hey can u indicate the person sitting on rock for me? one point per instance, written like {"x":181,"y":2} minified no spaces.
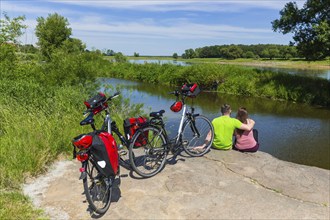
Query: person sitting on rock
{"x":224,"y":127}
{"x":245,"y":141}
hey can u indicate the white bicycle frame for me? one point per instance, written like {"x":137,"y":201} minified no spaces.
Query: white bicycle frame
{"x":183,"y":116}
{"x":108,"y":120}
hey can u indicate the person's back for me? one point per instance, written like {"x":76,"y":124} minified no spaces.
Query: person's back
{"x":246,"y":141}
{"x":224,"y":127}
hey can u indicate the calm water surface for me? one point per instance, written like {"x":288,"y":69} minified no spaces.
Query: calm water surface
{"x":288,"y":131}
{"x":175,"y":62}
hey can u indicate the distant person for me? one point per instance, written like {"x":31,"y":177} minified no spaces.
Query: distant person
{"x":224,"y":127}
{"x":245,"y":141}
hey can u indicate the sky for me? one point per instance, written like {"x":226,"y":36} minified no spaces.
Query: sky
{"x":156,"y":27}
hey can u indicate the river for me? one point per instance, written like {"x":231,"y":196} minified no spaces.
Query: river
{"x":288,"y":131}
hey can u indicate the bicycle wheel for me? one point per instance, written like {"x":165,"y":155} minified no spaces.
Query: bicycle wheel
{"x":98,"y":189}
{"x":194,"y":135}
{"x":148,"y":151}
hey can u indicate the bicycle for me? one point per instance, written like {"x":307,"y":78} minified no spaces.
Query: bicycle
{"x":150,"y":144}
{"x":98,"y":171}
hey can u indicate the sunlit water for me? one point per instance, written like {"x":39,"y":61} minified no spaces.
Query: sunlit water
{"x":288,"y":131}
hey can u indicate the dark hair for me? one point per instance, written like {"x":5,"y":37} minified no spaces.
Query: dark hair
{"x":225,"y":108}
{"x":241,"y":115}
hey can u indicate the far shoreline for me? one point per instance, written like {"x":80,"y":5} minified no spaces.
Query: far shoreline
{"x":275,"y":63}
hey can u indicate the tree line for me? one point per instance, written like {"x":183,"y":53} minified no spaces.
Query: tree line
{"x":269,"y":51}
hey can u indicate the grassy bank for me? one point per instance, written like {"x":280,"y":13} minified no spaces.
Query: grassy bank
{"x":277,"y":63}
{"x":41,"y":105}
{"x":231,"y":80}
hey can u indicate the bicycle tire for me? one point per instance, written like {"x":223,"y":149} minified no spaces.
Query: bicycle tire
{"x":191,"y":141}
{"x":148,"y":151}
{"x":97,"y":190}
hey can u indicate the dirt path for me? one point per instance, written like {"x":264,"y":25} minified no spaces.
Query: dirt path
{"x":220,"y":185}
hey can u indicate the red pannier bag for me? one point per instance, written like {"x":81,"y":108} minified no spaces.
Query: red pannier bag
{"x":105,"y":154}
{"x":190,"y":90}
{"x":130,"y":127}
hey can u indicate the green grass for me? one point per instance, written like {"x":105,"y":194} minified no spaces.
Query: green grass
{"x":14,"y":205}
{"x":296,"y":63}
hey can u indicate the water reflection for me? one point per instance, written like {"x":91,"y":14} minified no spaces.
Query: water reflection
{"x":288,"y":131}
{"x":325,"y":74}
{"x":161,"y":62}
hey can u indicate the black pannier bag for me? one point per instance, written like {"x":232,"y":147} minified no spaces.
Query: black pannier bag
{"x":97,"y":103}
{"x":190,"y":90}
{"x":105,"y":154}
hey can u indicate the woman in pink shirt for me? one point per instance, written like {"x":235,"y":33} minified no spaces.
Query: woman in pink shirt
{"x":246,"y":141}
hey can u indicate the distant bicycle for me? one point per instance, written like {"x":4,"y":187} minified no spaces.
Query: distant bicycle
{"x":150,"y":144}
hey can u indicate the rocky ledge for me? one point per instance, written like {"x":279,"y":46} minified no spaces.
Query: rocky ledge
{"x":220,"y":185}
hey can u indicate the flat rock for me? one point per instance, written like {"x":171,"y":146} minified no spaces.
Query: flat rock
{"x":220,"y":185}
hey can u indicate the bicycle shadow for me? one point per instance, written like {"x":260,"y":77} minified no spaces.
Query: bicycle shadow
{"x":174,"y":158}
{"x":182,"y":155}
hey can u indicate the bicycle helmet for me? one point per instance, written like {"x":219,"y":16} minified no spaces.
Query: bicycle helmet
{"x":176,"y":106}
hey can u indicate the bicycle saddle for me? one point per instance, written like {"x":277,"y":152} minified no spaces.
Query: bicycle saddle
{"x":157,"y":114}
{"x":88,"y":120}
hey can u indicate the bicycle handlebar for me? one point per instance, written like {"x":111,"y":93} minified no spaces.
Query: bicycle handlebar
{"x":113,"y":96}
{"x":176,"y":92}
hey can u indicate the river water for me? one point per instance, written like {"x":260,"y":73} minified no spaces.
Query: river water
{"x":288,"y":131}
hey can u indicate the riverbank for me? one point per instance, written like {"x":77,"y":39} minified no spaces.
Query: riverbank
{"x":275,"y":63}
{"x":281,"y":64}
{"x":230,"y":79}
{"x":220,"y":185}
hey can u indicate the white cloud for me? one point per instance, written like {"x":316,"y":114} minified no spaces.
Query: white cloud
{"x":26,"y":8}
{"x":180,"y":5}
{"x":178,"y":30}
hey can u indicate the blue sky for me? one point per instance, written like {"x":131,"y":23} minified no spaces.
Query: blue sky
{"x":156,"y":27}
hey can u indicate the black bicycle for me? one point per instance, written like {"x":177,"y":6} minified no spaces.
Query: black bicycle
{"x":100,"y":154}
{"x":150,"y":144}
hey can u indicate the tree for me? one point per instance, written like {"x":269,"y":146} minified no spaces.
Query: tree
{"x":265,"y":53}
{"x":110,"y":52}
{"x":175,"y":56}
{"x":310,"y":27}
{"x":51,"y":33}
{"x":273,"y":53}
{"x":249,"y":54}
{"x":189,"y":54}
{"x":231,"y":52}
{"x":73,"y":45}
{"x":136,"y":54}
{"x":120,"y":58}
{"x":11,"y":29}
